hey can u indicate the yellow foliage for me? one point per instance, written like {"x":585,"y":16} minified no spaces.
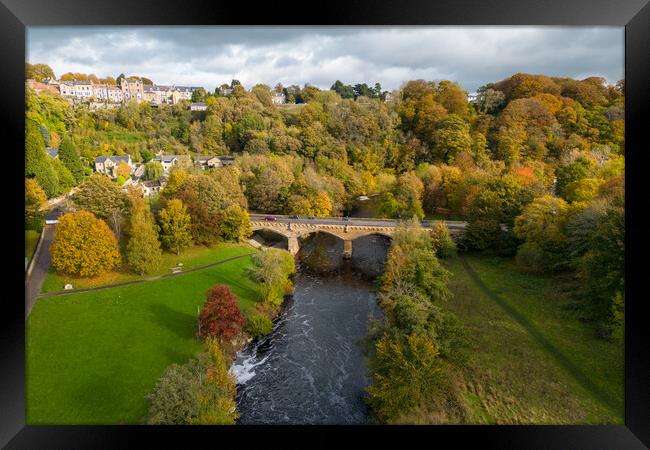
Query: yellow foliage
{"x":83,"y":245}
{"x":322,"y":205}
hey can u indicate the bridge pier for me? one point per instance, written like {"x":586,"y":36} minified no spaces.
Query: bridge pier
{"x":293,"y":246}
{"x":347,"y":249}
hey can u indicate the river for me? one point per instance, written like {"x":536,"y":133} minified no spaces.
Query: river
{"x":311,"y":368}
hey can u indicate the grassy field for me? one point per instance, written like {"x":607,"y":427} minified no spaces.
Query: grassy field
{"x":190,"y":258}
{"x":31,"y":240}
{"x":531,"y":360}
{"x":93,"y":357}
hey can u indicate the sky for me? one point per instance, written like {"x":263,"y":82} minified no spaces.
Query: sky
{"x":213,"y":55}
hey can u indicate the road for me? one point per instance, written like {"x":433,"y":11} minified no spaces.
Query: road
{"x":359,"y":221}
{"x":34,"y":283}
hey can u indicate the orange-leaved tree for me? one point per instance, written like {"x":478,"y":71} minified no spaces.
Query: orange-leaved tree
{"x":220,"y":316}
{"x":83,"y":245}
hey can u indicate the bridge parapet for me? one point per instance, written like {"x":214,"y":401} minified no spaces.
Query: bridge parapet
{"x":349,"y":231}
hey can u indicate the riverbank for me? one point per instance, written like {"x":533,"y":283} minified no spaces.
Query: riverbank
{"x":91,"y":358}
{"x":531,"y":360}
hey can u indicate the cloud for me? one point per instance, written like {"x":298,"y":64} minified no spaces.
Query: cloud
{"x":210,"y":56}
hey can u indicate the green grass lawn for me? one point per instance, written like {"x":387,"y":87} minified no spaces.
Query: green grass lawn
{"x":93,"y":357}
{"x":31,"y":240}
{"x":193,"y":257}
{"x":531,"y":360}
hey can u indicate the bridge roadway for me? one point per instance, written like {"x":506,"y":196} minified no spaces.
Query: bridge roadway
{"x":353,"y":221}
{"x":347,"y":229}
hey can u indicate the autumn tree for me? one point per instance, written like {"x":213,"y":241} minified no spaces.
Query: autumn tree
{"x":175,"y":226}
{"x":83,"y":245}
{"x":404,"y":199}
{"x":522,"y":85}
{"x":220,"y":316}
{"x":143,"y":252}
{"x":35,"y":198}
{"x":38,"y":72}
{"x":234,"y":224}
{"x":603,"y":266}
{"x":542,"y":226}
{"x":451,"y":138}
{"x":122,"y":169}
{"x":204,"y":224}
{"x":322,"y":205}
{"x":272,"y":268}
{"x":407,"y":373}
{"x":199,"y":392}
{"x":99,"y":195}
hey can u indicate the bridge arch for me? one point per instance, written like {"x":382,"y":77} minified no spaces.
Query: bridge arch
{"x":274,"y":229}
{"x":271,"y":237}
{"x":305,"y":233}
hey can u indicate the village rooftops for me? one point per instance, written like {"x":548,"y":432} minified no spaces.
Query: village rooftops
{"x":166,"y":158}
{"x":204,"y":157}
{"x":115,"y":159}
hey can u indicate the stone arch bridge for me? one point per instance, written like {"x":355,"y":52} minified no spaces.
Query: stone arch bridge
{"x":347,"y":230}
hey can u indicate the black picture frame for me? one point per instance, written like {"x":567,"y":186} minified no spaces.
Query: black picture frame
{"x":634,"y":15}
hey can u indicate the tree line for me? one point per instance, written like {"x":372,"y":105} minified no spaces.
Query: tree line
{"x":535,"y":164}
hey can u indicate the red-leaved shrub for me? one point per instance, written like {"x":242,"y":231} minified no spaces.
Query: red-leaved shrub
{"x":220,"y":316}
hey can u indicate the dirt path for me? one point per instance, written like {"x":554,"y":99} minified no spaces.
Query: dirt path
{"x":542,"y":340}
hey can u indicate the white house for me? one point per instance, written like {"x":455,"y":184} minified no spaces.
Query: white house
{"x":199,"y":106}
{"x":167,"y":161}
{"x":278,"y":98}
{"x":206,"y":162}
{"x":107,"y":164}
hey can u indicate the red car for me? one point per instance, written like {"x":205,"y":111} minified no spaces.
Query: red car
{"x":270,"y":218}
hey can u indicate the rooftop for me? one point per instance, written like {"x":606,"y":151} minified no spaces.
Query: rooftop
{"x":101,"y":159}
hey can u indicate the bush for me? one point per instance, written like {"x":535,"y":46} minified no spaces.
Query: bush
{"x":443,"y":243}
{"x":83,"y":245}
{"x":34,"y":222}
{"x":217,"y":404}
{"x":481,"y":234}
{"x":220,"y":316}
{"x":174,"y":399}
{"x":507,"y":244}
{"x":407,"y":373}
{"x":259,"y":325}
{"x":531,"y":256}
{"x":199,"y":392}
{"x":273,"y":268}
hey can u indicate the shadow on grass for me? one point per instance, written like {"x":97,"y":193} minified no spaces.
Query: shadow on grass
{"x":547,"y":345}
{"x":180,"y":323}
